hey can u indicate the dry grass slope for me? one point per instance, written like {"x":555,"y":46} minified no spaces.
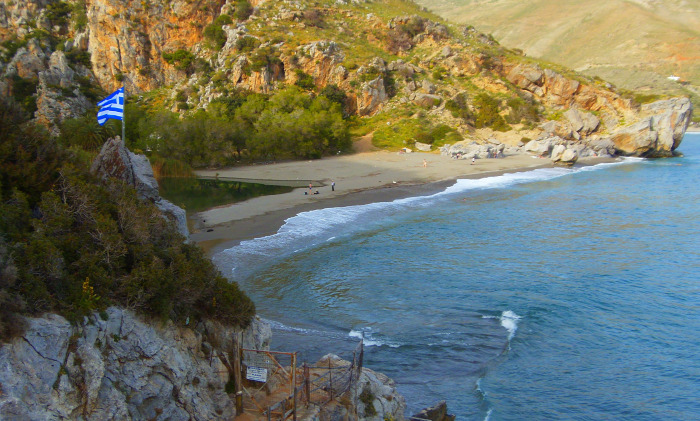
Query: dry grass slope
{"x":634,"y":44}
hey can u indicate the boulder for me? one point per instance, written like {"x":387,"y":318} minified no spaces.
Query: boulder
{"x":670,"y":120}
{"x":423,"y":147}
{"x":582,"y":122}
{"x":469,"y":149}
{"x":542,"y":147}
{"x":528,"y":78}
{"x":372,"y":97}
{"x":437,"y":412}
{"x":561,"y":155}
{"x":637,"y":139}
{"x":602,"y":147}
{"x":426,"y":100}
{"x":144,"y":180}
{"x":114,"y":161}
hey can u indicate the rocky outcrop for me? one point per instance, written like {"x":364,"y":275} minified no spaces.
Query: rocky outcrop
{"x":582,"y":122}
{"x":115,"y":366}
{"x":470,"y":149}
{"x":373,"y":397}
{"x":58,"y":95}
{"x":322,"y":60}
{"x":372,"y":98}
{"x":116,"y":161}
{"x":438,"y":412}
{"x":659,"y":132}
{"x":556,"y":90}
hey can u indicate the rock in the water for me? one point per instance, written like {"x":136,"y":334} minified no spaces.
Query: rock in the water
{"x":657,"y":135}
{"x":438,"y":412}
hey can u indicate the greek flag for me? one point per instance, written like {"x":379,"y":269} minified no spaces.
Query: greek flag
{"x":111,"y":107}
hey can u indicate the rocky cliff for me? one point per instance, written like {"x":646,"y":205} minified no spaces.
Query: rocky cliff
{"x":195,"y":52}
{"x":115,"y":366}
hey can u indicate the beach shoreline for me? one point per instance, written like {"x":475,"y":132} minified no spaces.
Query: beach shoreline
{"x":359,"y":179}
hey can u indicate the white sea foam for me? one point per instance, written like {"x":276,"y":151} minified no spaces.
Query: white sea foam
{"x":488,"y":414}
{"x":369,"y":340}
{"x":308,"y":229}
{"x":509,"y":320}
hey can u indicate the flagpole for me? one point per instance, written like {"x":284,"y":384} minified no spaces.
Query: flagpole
{"x":124,"y":115}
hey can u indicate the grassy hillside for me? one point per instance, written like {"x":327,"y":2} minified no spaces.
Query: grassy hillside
{"x":634,"y":44}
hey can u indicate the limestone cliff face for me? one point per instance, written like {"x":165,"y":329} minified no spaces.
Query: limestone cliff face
{"x":126,"y":39}
{"x":116,"y":366}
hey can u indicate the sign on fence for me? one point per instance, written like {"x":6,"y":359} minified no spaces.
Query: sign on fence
{"x":257,"y":374}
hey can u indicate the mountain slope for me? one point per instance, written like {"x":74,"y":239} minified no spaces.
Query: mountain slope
{"x":634,"y":44}
{"x":419,"y":78}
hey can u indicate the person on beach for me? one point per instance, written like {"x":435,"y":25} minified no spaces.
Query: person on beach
{"x":473,"y":160}
{"x":332,"y":185}
{"x":425,"y":164}
{"x":311,"y":186}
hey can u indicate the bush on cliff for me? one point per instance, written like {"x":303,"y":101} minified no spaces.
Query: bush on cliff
{"x":73,"y":244}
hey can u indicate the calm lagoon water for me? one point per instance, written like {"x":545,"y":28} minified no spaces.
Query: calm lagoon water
{"x":550,"y":294}
{"x":196,"y":194}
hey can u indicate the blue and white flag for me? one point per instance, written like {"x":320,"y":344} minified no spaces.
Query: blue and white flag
{"x":111,"y":107}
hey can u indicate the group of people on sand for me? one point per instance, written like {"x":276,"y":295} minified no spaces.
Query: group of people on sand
{"x":311,"y":188}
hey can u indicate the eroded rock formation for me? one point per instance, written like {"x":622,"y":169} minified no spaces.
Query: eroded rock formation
{"x":115,"y":366}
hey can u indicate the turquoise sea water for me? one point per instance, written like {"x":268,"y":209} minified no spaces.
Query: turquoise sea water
{"x":551,"y":294}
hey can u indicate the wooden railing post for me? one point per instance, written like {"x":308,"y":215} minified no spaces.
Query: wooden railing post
{"x":330,"y":378}
{"x":237,"y":375}
{"x":307,"y":384}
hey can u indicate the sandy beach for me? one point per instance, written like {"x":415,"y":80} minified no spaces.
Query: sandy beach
{"x":359,"y":179}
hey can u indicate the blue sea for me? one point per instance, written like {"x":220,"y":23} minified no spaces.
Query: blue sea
{"x":553,"y":294}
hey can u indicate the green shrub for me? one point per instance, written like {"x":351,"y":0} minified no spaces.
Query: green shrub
{"x":11,"y":46}
{"x":181,"y":59}
{"x":304,"y":81}
{"x":58,"y":12}
{"x":78,"y":56}
{"x":243,"y":10}
{"x":522,"y":111}
{"x":335,"y":94}
{"x":264,"y":57}
{"x":459,"y":107}
{"x":488,"y":113}
{"x":215,"y":33}
{"x":246,"y":44}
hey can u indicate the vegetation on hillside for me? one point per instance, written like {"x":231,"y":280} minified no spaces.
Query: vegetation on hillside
{"x":73,"y":244}
{"x":244,"y":126}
